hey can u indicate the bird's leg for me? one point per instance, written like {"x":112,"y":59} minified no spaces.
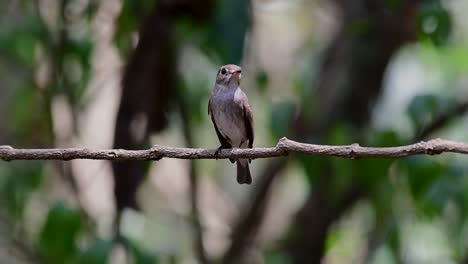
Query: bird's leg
{"x":219,"y":150}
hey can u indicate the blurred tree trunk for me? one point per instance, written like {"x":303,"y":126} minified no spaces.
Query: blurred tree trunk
{"x":349,"y":82}
{"x":149,"y":89}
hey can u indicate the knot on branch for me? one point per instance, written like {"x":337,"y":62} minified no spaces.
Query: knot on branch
{"x":5,"y":147}
{"x":354,"y":149}
{"x":156,"y":151}
{"x":283,"y":145}
{"x":431,"y":146}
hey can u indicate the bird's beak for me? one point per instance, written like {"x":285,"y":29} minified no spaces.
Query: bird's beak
{"x":237,"y":74}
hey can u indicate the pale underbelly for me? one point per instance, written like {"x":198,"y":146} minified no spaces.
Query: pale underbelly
{"x":231,"y":126}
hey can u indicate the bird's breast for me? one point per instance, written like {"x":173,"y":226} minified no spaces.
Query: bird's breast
{"x":228,"y":116}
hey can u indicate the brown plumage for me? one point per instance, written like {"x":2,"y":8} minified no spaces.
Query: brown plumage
{"x":232,"y":116}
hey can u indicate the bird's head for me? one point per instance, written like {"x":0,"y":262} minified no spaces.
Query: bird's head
{"x":229,"y":75}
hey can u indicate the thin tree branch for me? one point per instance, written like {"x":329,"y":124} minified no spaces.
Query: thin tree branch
{"x":283,"y":148}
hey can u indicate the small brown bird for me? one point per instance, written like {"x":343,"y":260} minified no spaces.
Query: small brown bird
{"x":232,"y":116}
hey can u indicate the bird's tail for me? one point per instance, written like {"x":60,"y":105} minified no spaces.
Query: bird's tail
{"x":243,"y":172}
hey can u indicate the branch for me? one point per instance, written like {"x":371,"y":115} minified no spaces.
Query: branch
{"x":283,"y":148}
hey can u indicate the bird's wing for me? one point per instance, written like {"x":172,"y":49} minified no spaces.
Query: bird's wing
{"x":248,"y":120}
{"x":222,"y":139}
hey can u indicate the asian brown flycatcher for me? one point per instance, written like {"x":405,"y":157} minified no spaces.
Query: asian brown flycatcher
{"x":232,"y":116}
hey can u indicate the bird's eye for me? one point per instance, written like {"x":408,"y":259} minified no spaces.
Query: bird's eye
{"x":223,"y":71}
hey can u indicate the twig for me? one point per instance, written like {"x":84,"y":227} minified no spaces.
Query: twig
{"x":283,"y":148}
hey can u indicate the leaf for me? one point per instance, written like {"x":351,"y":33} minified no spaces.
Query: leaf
{"x":20,"y":42}
{"x":422,"y":172}
{"x":58,"y":237}
{"x":261,"y":79}
{"x":276,"y":257}
{"x":434,"y":23}
{"x":231,"y":16}
{"x":139,"y":255}
{"x":449,"y":187}
{"x":281,"y":119}
{"x":127,"y":23}
{"x":371,"y":171}
{"x":97,"y":253}
{"x":423,"y":108}
{"x":312,"y":166}
{"x":77,"y":67}
{"x":20,"y":180}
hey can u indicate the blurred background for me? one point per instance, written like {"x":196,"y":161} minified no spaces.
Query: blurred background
{"x":130,"y":74}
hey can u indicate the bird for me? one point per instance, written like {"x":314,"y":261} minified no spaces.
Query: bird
{"x":232,"y":116}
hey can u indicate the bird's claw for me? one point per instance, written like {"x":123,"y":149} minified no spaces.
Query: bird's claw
{"x":217,"y":152}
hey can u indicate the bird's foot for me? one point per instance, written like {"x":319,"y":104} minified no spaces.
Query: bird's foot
{"x":218,"y":151}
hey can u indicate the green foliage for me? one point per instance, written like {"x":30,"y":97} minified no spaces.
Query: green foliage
{"x":434,"y":184}
{"x":372,"y":171}
{"x":434,"y":22}
{"x":230,"y":24}
{"x":276,"y":257}
{"x":130,"y":16}
{"x":21,"y":116}
{"x":281,"y":119}
{"x":18,"y":181}
{"x":423,"y":108}
{"x":422,"y":173}
{"x":193,"y":94}
{"x":261,"y":79}
{"x":20,"y":43}
{"x":139,"y":256}
{"x":97,"y":253}
{"x":312,"y":166}
{"x":59,"y":235}
{"x":76,"y":55}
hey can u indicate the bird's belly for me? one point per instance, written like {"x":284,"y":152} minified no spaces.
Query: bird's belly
{"x":231,"y":126}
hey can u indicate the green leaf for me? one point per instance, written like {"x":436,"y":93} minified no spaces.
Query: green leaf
{"x":422,"y":172}
{"x":19,"y":181}
{"x":20,"y":42}
{"x":231,"y":16}
{"x":261,"y":78}
{"x":312,"y":166}
{"x":384,"y":138}
{"x":434,"y":23}
{"x":128,"y":21}
{"x":139,"y":255}
{"x":77,"y":67}
{"x":58,"y":237}
{"x":341,"y":134}
{"x":423,"y":108}
{"x":371,"y":171}
{"x":281,"y":119}
{"x":276,"y":257}
{"x":97,"y":253}
{"x":442,"y":191}
{"x":193,"y":94}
